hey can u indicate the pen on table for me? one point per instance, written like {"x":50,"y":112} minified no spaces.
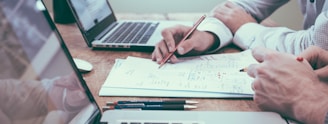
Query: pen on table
{"x":184,"y":38}
{"x":153,"y":102}
{"x":300,"y":59}
{"x":152,"y":107}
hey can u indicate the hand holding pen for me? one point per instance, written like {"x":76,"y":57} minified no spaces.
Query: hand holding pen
{"x":189,"y":33}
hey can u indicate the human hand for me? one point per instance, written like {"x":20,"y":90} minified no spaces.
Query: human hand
{"x":67,"y":94}
{"x":318,"y":58}
{"x":287,"y":86}
{"x":196,"y":44}
{"x":232,"y":15}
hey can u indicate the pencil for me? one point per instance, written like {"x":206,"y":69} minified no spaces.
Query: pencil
{"x":185,"y":37}
{"x":243,"y":70}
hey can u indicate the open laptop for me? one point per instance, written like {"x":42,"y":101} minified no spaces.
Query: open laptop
{"x":101,"y":29}
{"x":39,"y":82}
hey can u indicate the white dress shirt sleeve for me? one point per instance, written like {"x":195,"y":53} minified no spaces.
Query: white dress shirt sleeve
{"x":215,"y":26}
{"x":283,"y":39}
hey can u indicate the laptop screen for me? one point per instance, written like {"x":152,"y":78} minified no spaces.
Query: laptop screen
{"x":91,"y":12}
{"x":93,"y":17}
{"x":38,"y":83}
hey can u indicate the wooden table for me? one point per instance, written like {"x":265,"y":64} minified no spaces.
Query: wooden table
{"x":103,"y":60}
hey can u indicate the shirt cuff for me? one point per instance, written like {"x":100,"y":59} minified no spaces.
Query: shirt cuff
{"x":215,"y":26}
{"x":245,"y":36}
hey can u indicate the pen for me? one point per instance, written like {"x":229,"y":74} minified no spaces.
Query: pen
{"x":153,"y":102}
{"x":153,"y":107}
{"x":185,"y":37}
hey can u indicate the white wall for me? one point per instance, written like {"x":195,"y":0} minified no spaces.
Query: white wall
{"x":289,"y":15}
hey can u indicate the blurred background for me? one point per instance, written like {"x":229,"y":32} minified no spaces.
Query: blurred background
{"x":289,"y":15}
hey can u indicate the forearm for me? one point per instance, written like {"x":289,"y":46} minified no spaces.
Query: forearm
{"x":23,"y":98}
{"x":260,"y":9}
{"x":278,"y":38}
{"x":318,"y":111}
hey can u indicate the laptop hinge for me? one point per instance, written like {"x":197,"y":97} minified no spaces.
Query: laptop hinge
{"x":108,"y":29}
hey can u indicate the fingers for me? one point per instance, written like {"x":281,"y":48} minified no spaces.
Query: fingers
{"x":261,"y":53}
{"x":161,"y":51}
{"x":258,"y":54}
{"x":220,"y":11}
{"x":197,"y":43}
{"x":223,"y":10}
{"x":174,"y":35}
{"x":171,"y":36}
{"x":322,"y":74}
{"x":230,"y":4}
{"x":187,"y":46}
{"x":310,"y":54}
{"x":316,"y":56}
{"x":251,"y":70}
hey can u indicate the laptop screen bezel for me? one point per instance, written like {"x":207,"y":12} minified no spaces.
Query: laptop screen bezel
{"x":96,"y":30}
{"x":95,"y":118}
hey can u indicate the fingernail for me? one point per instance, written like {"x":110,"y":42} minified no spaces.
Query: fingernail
{"x":180,"y":50}
{"x":159,"y":60}
{"x":300,"y":59}
{"x":171,"y":49}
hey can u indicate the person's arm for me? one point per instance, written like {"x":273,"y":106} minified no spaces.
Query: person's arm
{"x":22,"y":101}
{"x":260,"y":9}
{"x":289,"y":86}
{"x":236,"y":13}
{"x":283,"y":39}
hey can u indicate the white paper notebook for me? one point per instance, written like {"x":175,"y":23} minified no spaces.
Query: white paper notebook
{"x":209,"y":74}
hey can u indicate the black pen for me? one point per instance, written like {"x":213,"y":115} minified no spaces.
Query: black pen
{"x":153,"y":107}
{"x":153,"y":102}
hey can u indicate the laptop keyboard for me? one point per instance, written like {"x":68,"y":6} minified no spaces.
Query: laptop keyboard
{"x":132,"y":32}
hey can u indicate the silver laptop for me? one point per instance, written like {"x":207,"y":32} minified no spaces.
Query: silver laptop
{"x":101,"y":29}
{"x":39,"y":82}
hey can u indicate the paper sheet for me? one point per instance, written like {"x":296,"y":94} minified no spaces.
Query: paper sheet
{"x":207,"y":73}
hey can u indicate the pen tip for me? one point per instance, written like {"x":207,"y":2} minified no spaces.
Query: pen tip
{"x":105,"y":108}
{"x":243,"y":70}
{"x":160,"y":66}
{"x":190,"y":107}
{"x":111,"y":103}
{"x":191,"y":102}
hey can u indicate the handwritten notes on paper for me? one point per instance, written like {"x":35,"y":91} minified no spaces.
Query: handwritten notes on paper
{"x":207,"y":73}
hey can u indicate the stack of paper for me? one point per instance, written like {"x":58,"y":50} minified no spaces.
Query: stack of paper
{"x":214,"y":75}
